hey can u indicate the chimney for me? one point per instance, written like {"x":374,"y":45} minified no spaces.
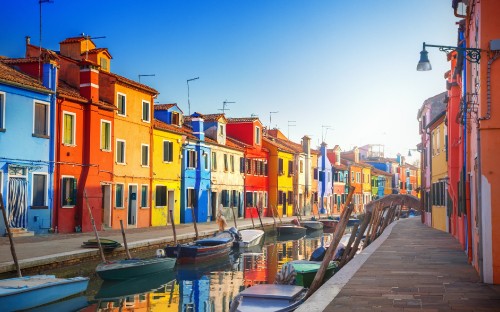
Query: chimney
{"x":197,"y":125}
{"x":89,"y":81}
{"x":306,"y":145}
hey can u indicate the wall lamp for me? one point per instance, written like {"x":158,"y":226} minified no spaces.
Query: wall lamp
{"x":471,"y":54}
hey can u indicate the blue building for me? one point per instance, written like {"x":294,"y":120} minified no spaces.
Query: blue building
{"x":325,"y":181}
{"x":27,"y":132}
{"x":195,"y":177}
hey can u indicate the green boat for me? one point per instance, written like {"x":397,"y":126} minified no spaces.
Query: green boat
{"x":306,"y":271}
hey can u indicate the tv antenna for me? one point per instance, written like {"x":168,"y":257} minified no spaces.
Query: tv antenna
{"x":87,"y":43}
{"x":224,"y":104}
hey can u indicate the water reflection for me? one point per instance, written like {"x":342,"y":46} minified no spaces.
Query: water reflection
{"x":209,"y":287}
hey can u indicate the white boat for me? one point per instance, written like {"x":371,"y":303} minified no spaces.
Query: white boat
{"x":269,"y":298}
{"x":250,"y":238}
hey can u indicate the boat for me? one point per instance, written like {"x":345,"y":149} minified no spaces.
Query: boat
{"x":306,"y":271}
{"x":133,"y":268}
{"x":329,"y":223}
{"x":250,"y":238}
{"x":312,"y":225}
{"x":26,"y":292}
{"x":291,"y":229}
{"x":269,"y":297}
{"x":112,"y":290}
{"x":200,"y":251}
{"x":107,"y":244}
{"x":353,"y":221}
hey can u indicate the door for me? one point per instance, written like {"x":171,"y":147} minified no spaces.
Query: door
{"x":284,"y":204}
{"x":106,"y":205}
{"x":171,"y":203}
{"x":18,"y":212}
{"x":132,"y":204}
{"x":213,"y":206}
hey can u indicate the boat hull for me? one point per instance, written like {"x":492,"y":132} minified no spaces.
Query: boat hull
{"x":251,"y":238}
{"x":192,"y":254}
{"x":18,"y":297}
{"x":327,"y":223}
{"x":312,"y":225}
{"x":269,"y":297}
{"x":306,"y":271}
{"x":133,"y":268}
{"x":291,"y":230}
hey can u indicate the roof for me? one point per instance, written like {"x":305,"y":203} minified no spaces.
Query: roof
{"x":74,"y":40}
{"x":214,"y":117}
{"x":242,"y":119}
{"x":278,"y":144}
{"x":380,"y":172}
{"x":161,"y":107}
{"x":172,"y":128}
{"x":340,"y":166}
{"x":97,"y":50}
{"x":65,"y":90}
{"x":130,"y":82}
{"x":10,"y":76}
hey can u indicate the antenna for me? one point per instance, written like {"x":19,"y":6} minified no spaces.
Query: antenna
{"x":189,"y":103}
{"x":323,"y":136}
{"x":291,"y":123}
{"x":87,"y":43}
{"x":270,"y":114}
{"x":145,"y":75}
{"x":40,"y":2}
{"x":224,"y":104}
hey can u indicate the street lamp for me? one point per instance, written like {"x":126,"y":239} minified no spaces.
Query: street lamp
{"x":471,"y":54}
{"x":412,"y":149}
{"x":189,"y":103}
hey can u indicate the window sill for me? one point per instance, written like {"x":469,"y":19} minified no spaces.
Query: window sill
{"x":121,"y":115}
{"x":41,"y":136}
{"x":119,"y":163}
{"x":119,"y":208}
{"x":146,"y":121}
{"x":69,"y":145}
{"x":39,"y":207}
{"x":145,"y":166}
{"x":144,"y":208}
{"x":105,"y":150}
{"x":68,"y":206}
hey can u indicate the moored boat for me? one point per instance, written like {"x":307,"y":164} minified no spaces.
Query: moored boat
{"x":133,"y":268}
{"x":329,"y":223}
{"x":250,"y":238}
{"x":201,"y":250}
{"x":269,"y":297}
{"x":312,"y":225}
{"x":107,"y":244}
{"x":291,"y":229}
{"x":31,"y":291}
{"x":306,"y":271}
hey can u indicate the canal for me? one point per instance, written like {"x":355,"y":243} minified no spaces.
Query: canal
{"x":207,"y":287}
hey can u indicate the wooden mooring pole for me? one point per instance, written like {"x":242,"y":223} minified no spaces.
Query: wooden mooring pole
{"x":11,"y":240}
{"x":125,"y":240}
{"x":234,"y":217}
{"x":194,"y":222}
{"x":101,"y":251}
{"x":171,"y":214}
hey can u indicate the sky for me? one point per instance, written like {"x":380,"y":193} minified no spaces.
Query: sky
{"x":343,"y":72}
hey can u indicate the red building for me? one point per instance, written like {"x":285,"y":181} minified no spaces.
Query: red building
{"x":248,"y":131}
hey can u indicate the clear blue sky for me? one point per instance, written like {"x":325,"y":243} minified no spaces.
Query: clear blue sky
{"x":345,"y":64}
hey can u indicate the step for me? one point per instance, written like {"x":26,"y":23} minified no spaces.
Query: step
{"x":20,"y":232}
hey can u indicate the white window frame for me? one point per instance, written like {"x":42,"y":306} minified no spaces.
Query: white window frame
{"x":192,"y":152}
{"x":104,"y":121}
{"x":163,"y":156}
{"x":63,"y":131}
{"x":46,"y":190}
{"x":214,"y":161}
{"x":62,"y":191}
{"x":231,"y":163}
{"x":3,"y":102}
{"x":188,"y":190}
{"x":124,"y":152}
{"x":123,"y":196}
{"x":265,"y":199}
{"x":257,"y":135}
{"x":47,"y":121}
{"x":147,"y":196}
{"x":149,"y":111}
{"x":118,"y":94}
{"x":142,"y":156}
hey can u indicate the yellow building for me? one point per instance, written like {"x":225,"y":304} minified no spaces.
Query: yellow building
{"x":366,"y":183}
{"x":439,"y":173}
{"x":281,"y":172}
{"x":167,"y":143}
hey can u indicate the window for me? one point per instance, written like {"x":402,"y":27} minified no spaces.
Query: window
{"x":280,"y":166}
{"x":105,"y":135}
{"x":225,"y":198}
{"x":39,"y":191}
{"x":257,"y":135}
{"x":231,"y":162}
{"x":265,"y":200}
{"x":41,"y":122}
{"x":168,"y":151}
{"x":249,"y":199}
{"x":122,"y":104}
{"x":280,"y":197}
{"x":301,"y":166}
{"x":119,"y":195}
{"x":144,"y":196}
{"x":120,"y":151}
{"x":226,"y":164}
{"x":290,"y":168}
{"x":176,"y":119}
{"x":221,"y":130}
{"x":190,"y":196}
{"x":205,"y":160}
{"x":352,"y":176}
{"x":145,"y":155}
{"x":2,"y":111}
{"x":235,"y":196}
{"x":191,"y":159}
{"x":214,"y":161}
{"x":249,"y":166}
{"x":161,"y":196}
{"x":258,"y":165}
{"x":146,"y":111}
{"x":68,"y":192}
{"x":255,"y":199}
{"x":242,"y":165}
{"x":265,"y":168}
{"x":69,"y":128}
{"x":104,"y":63}
{"x":358,"y":177}
{"x":315,"y":174}
{"x":254,"y":167}
{"x":290,"y":197}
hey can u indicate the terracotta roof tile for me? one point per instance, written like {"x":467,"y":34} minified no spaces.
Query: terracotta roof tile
{"x":242,"y":119}
{"x":161,"y":107}
{"x":213,"y":117}
{"x":72,"y":40}
{"x":9,"y":75}
{"x":278,"y":144}
{"x":130,"y":82}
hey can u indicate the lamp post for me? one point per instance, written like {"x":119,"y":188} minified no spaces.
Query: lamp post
{"x":471,"y":54}
{"x":189,"y":103}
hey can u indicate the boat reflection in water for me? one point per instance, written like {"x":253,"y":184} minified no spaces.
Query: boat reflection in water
{"x":209,"y":286}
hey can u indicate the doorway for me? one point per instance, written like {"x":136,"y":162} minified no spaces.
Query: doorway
{"x":106,"y":205}
{"x":17,"y":207}
{"x":171,"y":203}
{"x":284,"y":204}
{"x":132,"y":205}
{"x":213,"y":206}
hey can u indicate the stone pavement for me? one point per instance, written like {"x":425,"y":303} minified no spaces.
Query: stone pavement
{"x":43,"y":250}
{"x":410,"y":267}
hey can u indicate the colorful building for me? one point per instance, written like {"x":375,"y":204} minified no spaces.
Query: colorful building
{"x":325,"y":181}
{"x":340,"y":179}
{"x":351,"y":160}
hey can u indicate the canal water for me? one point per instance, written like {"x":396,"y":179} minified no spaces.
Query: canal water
{"x":207,"y":287}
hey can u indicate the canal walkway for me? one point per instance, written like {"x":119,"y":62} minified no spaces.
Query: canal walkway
{"x":45,"y":250}
{"x":410,"y":267}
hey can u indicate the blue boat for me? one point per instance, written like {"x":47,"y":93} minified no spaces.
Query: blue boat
{"x":269,"y":298}
{"x":200,"y":251}
{"x":22,"y":293}
{"x":133,"y":268}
